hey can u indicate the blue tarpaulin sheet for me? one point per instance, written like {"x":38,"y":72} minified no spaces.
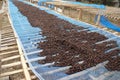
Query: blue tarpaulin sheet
{"x":105,"y":22}
{"x":77,"y":3}
{"x":85,"y":4}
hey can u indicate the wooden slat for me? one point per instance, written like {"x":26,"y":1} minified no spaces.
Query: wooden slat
{"x":10,"y":58}
{"x":8,"y":26}
{"x":7,"y":34}
{"x":5,"y":78}
{"x":8,"y":48}
{"x":98,"y":19}
{"x":13,"y":72}
{"x":3,"y":32}
{"x":6,"y":31}
{"x":24,"y":65}
{"x":8,"y":44}
{"x":10,"y":64}
{"x":32,"y":77}
{"x":9,"y":52}
{"x":10,"y":41}
{"x":8,"y":38}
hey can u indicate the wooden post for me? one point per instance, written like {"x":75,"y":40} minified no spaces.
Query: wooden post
{"x":0,"y":40}
{"x":46,"y":5}
{"x":0,"y":28}
{"x":55,"y":8}
{"x":98,"y":19}
{"x":31,"y":1}
{"x":69,"y":12}
{"x":22,"y":58}
{"x":43,"y":4}
{"x":80,"y":14}
{"x":62,"y":9}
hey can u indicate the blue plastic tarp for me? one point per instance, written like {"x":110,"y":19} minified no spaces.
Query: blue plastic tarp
{"x":85,"y":4}
{"x":77,"y":3}
{"x":105,"y":22}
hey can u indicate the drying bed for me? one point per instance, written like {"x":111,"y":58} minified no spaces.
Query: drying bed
{"x":65,"y":48}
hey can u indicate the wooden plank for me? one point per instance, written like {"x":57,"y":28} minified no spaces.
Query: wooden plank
{"x":9,"y":52}
{"x":80,"y":14}
{"x":10,"y":65}
{"x":33,"y":77}
{"x":59,"y":4}
{"x":5,"y":78}
{"x":0,"y":29}
{"x":8,"y":41}
{"x":4,"y":39}
{"x":27,"y":74}
{"x":6,"y":31}
{"x":24,"y":65}
{"x":104,"y":28}
{"x":8,"y":44}
{"x":8,"y":48}
{"x":115,"y":33}
{"x":7,"y":36}
{"x":98,"y":19}
{"x":8,"y":26}
{"x":13,"y":72}
{"x":10,"y":58}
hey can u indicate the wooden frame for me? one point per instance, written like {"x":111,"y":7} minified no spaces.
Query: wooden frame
{"x":24,"y":65}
